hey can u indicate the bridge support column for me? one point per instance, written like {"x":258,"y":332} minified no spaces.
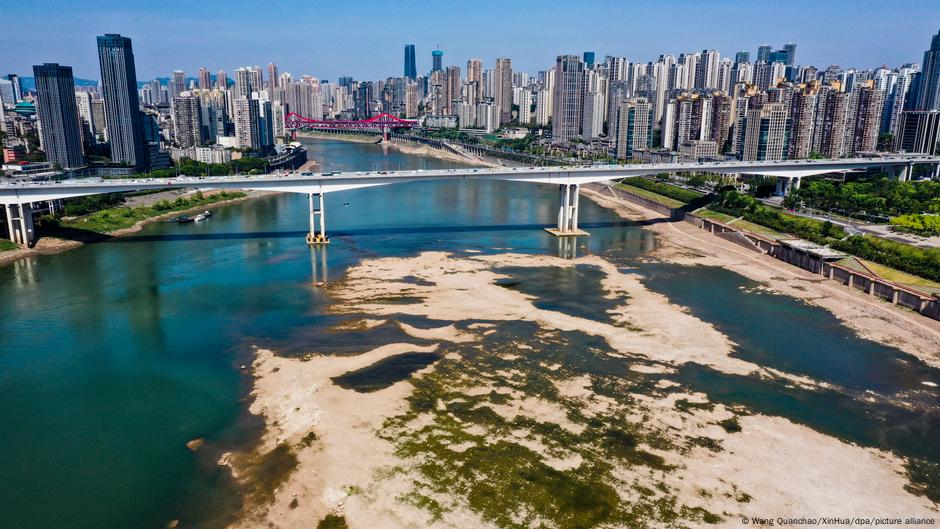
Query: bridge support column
{"x":567,"y":212}
{"x":317,"y":216}
{"x":20,"y":224}
{"x":787,"y":184}
{"x":905,"y":172}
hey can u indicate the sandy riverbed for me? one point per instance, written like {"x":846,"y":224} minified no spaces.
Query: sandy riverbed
{"x":385,"y":459}
{"x":872,"y":318}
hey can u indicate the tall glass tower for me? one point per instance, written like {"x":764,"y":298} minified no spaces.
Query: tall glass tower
{"x":410,"y":70}
{"x":121,"y":104}
{"x":928,"y":93}
{"x":58,"y":114}
{"x":437,"y":58}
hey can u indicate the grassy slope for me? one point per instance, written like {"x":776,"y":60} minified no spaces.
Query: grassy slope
{"x":113,"y":219}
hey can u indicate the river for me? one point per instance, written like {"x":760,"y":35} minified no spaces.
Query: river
{"x":114,"y":355}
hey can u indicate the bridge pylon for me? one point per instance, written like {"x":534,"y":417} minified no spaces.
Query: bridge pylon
{"x":317,"y":235}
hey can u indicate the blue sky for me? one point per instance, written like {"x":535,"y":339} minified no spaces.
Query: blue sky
{"x":365,"y":38}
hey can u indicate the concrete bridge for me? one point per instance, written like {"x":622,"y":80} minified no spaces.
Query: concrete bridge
{"x":18,"y":198}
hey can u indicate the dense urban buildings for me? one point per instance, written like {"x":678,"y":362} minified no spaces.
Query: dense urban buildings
{"x":693,"y":105}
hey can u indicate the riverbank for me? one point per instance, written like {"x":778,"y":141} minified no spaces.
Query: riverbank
{"x":48,"y":245}
{"x":532,"y":415}
{"x":682,"y":243}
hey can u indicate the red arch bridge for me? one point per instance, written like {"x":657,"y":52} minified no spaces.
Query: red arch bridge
{"x":383,"y":122}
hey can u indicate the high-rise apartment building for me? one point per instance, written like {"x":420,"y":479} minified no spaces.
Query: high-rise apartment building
{"x":592,"y":117}
{"x":503,"y":86}
{"x":475,"y":71}
{"x":187,"y":120}
{"x":568,"y":97}
{"x":272,"y":77}
{"x":802,"y":120}
{"x":61,"y":131}
{"x":247,"y":132}
{"x":870,"y":102}
{"x":221,"y":80}
{"x":411,"y":70}
{"x":177,"y":83}
{"x":121,"y":102}
{"x":205,"y":82}
{"x":451,"y":88}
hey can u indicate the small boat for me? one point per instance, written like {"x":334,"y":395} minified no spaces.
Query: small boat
{"x":182,"y":219}
{"x":346,"y":204}
{"x":202,"y":216}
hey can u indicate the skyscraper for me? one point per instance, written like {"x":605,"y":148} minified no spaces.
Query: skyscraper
{"x":61,"y":132}
{"x":928,"y":90}
{"x":410,"y":70}
{"x":741,"y":57}
{"x":568,"y":97}
{"x":589,"y":59}
{"x":790,"y":48}
{"x":437,"y":58}
{"x":221,"y":79}
{"x":504,"y":89}
{"x":451,"y":88}
{"x":272,"y":77}
{"x":763,"y":53}
{"x":178,"y":83}
{"x":121,"y":103}
{"x":204,"y":81}
{"x":17,"y":87}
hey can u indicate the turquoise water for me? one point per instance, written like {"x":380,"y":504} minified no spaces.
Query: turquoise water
{"x":114,"y":355}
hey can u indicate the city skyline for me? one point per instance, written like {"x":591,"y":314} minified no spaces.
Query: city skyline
{"x":164,"y":39}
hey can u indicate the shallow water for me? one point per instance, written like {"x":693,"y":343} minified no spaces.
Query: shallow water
{"x":114,"y":355}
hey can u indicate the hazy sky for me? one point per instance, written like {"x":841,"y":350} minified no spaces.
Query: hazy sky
{"x":365,"y":39}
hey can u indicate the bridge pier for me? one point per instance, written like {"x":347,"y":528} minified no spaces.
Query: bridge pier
{"x":20,"y":224}
{"x":787,"y":184}
{"x":568,"y":195}
{"x":317,"y":216}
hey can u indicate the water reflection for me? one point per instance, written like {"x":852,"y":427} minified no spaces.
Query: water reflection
{"x":318,"y":269}
{"x":568,"y":247}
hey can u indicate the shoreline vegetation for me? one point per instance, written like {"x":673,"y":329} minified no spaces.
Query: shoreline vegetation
{"x":64,"y":234}
{"x":748,"y":214}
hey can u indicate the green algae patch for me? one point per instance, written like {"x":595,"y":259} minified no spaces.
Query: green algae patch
{"x":492,"y":433}
{"x":262,"y":474}
{"x":730,"y":425}
{"x":333,"y":521}
{"x":924,"y":478}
